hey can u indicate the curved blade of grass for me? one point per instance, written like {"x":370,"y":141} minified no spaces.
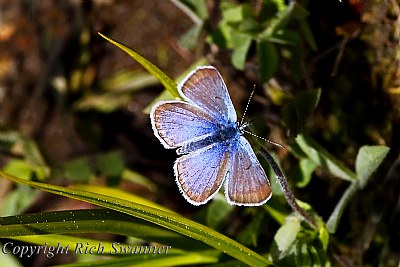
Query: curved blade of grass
{"x":165,"y":219}
{"x":107,"y":191}
{"x":154,"y":260}
{"x":93,"y":221}
{"x":168,"y":83}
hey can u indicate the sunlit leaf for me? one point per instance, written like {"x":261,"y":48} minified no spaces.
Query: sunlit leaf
{"x":285,"y":237}
{"x":23,"y":169}
{"x":368,"y":160}
{"x":16,"y":201}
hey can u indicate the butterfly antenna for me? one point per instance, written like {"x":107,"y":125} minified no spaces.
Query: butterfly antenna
{"x":247,"y":106}
{"x":262,"y":138}
{"x":243,"y":125}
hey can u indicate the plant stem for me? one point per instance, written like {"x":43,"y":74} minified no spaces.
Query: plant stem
{"x":286,"y":189}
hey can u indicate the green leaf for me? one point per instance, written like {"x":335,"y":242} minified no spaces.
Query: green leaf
{"x":18,"y":200}
{"x":24,"y":169}
{"x":302,"y":255}
{"x":250,"y":234}
{"x":368,"y":160}
{"x":285,"y":36}
{"x":321,"y":157}
{"x":128,"y":81}
{"x":286,"y":236}
{"x":235,"y":12}
{"x":240,"y":51}
{"x":280,"y":4}
{"x":79,"y":170}
{"x":105,"y":103}
{"x":275,"y":185}
{"x":337,"y":213}
{"x":217,"y":211}
{"x":293,"y":10}
{"x":303,"y":172}
{"x":305,"y":28}
{"x":323,"y":236}
{"x":276,"y":209}
{"x":110,"y":164}
{"x":197,"y":7}
{"x":165,"y":219}
{"x":168,"y":83}
{"x":137,"y":178}
{"x":190,"y":38}
{"x":268,"y":59}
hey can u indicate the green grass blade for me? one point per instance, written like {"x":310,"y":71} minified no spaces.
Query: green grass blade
{"x":165,"y":219}
{"x":154,"y":260}
{"x":93,"y":221}
{"x":168,"y":83}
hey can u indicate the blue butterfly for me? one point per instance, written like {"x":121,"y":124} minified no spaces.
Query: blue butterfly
{"x":205,"y":131}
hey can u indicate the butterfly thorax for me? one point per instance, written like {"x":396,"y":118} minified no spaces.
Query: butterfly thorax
{"x":227,"y":132}
{"x":222,"y":133}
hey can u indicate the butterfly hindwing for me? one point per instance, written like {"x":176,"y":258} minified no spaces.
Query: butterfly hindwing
{"x":247,"y":183}
{"x":200,"y":175}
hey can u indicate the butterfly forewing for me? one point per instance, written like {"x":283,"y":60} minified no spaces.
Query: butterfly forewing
{"x":247,"y":183}
{"x":206,"y":88}
{"x":176,"y":123}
